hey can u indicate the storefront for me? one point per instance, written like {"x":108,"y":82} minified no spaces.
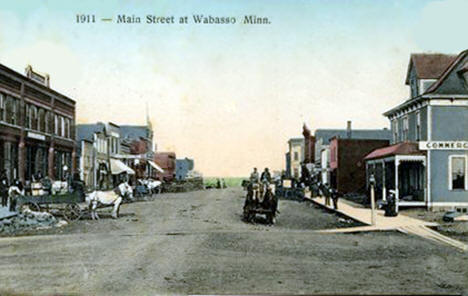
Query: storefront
{"x":36,"y":127}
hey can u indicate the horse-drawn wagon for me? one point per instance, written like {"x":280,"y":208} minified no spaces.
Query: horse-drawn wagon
{"x":66,"y":204}
{"x":69,"y":203}
{"x":263,"y":202}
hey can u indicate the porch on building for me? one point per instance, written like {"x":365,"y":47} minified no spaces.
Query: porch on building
{"x":401,"y":168}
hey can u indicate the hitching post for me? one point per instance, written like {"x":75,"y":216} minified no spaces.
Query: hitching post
{"x":372,"y":184}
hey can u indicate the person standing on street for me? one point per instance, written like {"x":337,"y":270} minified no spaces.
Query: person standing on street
{"x":4,"y":188}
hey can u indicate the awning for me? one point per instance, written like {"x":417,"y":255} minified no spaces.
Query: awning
{"x":157,"y":167}
{"x":118,"y":167}
{"x":404,"y":148}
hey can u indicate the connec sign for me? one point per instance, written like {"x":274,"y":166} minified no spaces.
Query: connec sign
{"x":443,"y":145}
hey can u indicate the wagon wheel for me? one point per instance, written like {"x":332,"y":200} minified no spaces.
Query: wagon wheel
{"x":72,"y":212}
{"x":32,"y":206}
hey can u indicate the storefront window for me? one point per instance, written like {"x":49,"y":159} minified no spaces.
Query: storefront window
{"x":457,"y":167}
{"x":10,"y":160}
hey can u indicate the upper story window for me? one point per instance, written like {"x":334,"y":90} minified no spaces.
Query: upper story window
{"x":33,"y":117}
{"x":58,"y":125}
{"x":66,"y":128}
{"x":41,"y":120}
{"x":11,"y":110}
{"x":62,"y":126}
{"x":458,"y":172}
{"x":50,"y":122}
{"x":395,"y":130}
{"x":424,"y":84}
{"x":296,"y":156}
{"x":2,"y":107}
{"x":27,"y":116}
{"x":418,"y":126}
{"x":414,"y":87}
{"x":405,"y":128}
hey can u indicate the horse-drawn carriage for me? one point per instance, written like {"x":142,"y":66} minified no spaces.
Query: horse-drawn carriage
{"x":261,"y":200}
{"x":65,"y":203}
{"x":69,"y":203}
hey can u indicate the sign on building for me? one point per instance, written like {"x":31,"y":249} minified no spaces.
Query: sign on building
{"x":443,"y":145}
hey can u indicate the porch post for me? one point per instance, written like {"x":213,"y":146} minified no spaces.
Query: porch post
{"x":384,"y":190}
{"x":397,"y":193}
{"x":367,"y":174}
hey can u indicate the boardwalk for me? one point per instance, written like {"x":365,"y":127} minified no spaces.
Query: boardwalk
{"x":400,"y":223}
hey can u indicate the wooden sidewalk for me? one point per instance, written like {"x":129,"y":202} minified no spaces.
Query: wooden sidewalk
{"x":400,"y":223}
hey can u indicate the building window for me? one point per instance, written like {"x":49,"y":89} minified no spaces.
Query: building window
{"x":2,"y":107}
{"x":48,"y":122}
{"x":457,"y":172}
{"x":418,"y":126}
{"x":395,"y":130}
{"x":11,"y":108}
{"x":41,"y":120}
{"x":296,"y":156}
{"x":67,"y":128}
{"x":27,"y":121}
{"x":33,"y":117}
{"x":62,"y":127}
{"x":405,"y":128}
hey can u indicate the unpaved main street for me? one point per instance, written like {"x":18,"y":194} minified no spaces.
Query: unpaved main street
{"x":196,"y":243}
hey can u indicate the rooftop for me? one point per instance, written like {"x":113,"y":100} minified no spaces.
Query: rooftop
{"x":376,"y":134}
{"x":429,"y":65}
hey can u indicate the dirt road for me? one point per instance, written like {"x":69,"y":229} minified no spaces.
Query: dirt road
{"x":196,"y":243}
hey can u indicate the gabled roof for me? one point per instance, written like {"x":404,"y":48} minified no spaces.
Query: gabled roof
{"x":429,"y":65}
{"x":457,"y":83}
{"x":404,"y":148}
{"x":446,"y":84}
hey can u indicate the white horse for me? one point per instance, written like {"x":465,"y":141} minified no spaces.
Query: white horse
{"x":107,"y":198}
{"x":152,"y":185}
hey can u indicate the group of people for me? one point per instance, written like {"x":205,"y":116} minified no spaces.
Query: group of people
{"x":260,"y":197}
{"x":260,"y":184}
{"x":317,"y":187}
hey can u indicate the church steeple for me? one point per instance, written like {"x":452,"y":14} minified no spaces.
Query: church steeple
{"x":149,"y":127}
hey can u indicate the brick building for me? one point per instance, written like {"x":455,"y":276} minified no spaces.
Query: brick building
{"x":309,"y":147}
{"x":347,"y":165}
{"x":167,"y":162}
{"x":37,"y":131}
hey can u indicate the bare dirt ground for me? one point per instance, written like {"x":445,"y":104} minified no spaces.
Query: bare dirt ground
{"x":196,"y":243}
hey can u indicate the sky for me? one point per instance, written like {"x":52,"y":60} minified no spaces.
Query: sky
{"x":230,"y":96}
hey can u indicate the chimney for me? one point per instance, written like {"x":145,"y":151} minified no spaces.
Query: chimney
{"x":348,"y":129}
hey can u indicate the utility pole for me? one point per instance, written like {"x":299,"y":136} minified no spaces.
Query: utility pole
{"x":372,"y":184}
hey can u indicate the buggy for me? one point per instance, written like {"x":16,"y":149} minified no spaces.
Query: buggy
{"x":267,"y":205}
